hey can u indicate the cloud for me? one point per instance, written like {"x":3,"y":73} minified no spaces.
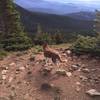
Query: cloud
{"x":75,"y":1}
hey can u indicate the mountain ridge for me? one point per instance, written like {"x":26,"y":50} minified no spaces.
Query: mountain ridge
{"x":52,"y":7}
{"x":51,"y":22}
{"x":90,"y":16}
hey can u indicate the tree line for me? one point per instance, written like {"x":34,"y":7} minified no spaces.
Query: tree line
{"x":13,"y":37}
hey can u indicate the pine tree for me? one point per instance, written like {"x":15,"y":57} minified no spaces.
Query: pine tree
{"x":97,"y":22}
{"x":13,"y":35}
{"x":1,"y":28}
{"x":58,"y":37}
{"x":39,"y":29}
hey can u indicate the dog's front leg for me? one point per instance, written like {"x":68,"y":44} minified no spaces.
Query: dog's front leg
{"x":46,"y":61}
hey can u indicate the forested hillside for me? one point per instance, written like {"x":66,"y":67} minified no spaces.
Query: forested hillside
{"x":13,"y":36}
{"x":52,"y":23}
{"x":83,"y":15}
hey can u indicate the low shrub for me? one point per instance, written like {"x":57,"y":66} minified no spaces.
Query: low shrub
{"x":3,"y":53}
{"x":86,"y":45}
{"x":38,"y":48}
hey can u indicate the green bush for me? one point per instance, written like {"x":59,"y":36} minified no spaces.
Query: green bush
{"x":40,"y":38}
{"x":17,"y":43}
{"x":85,"y":45}
{"x":2,"y":54}
{"x":58,"y":38}
{"x":97,"y":48}
{"x":13,"y":36}
{"x":38,"y":49}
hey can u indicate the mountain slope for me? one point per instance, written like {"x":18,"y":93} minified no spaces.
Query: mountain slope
{"x":83,"y":15}
{"x":52,"y":7}
{"x":51,"y":23}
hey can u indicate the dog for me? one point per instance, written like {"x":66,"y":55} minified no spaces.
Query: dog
{"x":51,"y":53}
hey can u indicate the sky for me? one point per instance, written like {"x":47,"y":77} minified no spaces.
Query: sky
{"x":93,"y":4}
{"x":77,"y":1}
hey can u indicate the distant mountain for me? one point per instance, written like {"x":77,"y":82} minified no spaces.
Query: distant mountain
{"x":90,"y":16}
{"x":52,"y":7}
{"x":51,"y":23}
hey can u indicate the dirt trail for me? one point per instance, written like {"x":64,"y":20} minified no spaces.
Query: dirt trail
{"x":21,"y":78}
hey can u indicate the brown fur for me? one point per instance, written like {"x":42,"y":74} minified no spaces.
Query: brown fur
{"x":51,"y":53}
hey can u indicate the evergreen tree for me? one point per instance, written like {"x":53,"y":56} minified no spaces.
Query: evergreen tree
{"x":39,"y":29}
{"x":1,"y":29}
{"x":97,"y":28}
{"x":97,"y":22}
{"x":58,"y":37}
{"x":13,"y":36}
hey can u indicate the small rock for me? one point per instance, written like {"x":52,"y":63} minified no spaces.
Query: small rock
{"x":12,"y":64}
{"x":93,"y":92}
{"x":75,"y":67}
{"x":13,"y":94}
{"x":4,"y":68}
{"x":64,"y":55}
{"x":4,"y":72}
{"x":93,"y":70}
{"x":17,"y":71}
{"x":47,"y":70}
{"x":10,"y":79}
{"x":78,"y":83}
{"x":78,"y":89}
{"x":83,"y":66}
{"x":13,"y":87}
{"x":26,"y":66}
{"x":61,"y":72}
{"x":27,"y":83}
{"x":83,"y":78}
{"x":7,"y":68}
{"x":3,"y":77}
{"x":85,"y":70}
{"x":69,"y":52}
{"x":22,"y":68}
{"x":69,"y":74}
{"x":96,"y":79}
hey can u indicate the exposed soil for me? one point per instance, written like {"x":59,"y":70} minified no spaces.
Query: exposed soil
{"x":22,"y":78}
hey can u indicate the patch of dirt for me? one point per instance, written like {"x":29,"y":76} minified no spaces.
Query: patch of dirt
{"x":21,"y":78}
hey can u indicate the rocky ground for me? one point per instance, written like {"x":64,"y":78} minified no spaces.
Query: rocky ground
{"x":26,"y":76}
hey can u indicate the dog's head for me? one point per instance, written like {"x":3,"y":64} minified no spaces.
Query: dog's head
{"x":45,"y":44}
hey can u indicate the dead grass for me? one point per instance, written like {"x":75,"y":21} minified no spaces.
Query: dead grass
{"x":64,"y":45}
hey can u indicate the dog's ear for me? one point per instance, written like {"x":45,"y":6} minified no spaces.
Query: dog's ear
{"x":45,"y":43}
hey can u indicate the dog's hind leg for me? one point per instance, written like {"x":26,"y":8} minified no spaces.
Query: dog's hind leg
{"x":46,"y":60}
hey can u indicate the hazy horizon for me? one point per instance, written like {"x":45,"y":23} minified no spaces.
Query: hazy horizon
{"x":76,"y":1}
{"x":89,"y":3}
{"x":60,"y":6}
